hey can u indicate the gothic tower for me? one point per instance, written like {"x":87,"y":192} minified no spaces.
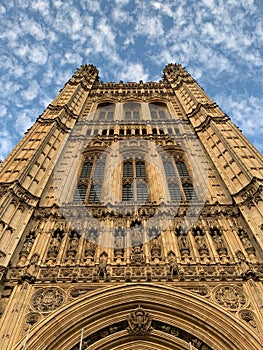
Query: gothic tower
{"x":131,"y":218}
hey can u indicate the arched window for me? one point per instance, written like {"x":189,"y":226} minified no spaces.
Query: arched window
{"x":176,"y":174}
{"x":91,"y":180}
{"x":158,"y":111}
{"x":105,"y":111}
{"x":132,"y":110}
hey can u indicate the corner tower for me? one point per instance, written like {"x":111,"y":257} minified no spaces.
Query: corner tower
{"x":131,"y":216}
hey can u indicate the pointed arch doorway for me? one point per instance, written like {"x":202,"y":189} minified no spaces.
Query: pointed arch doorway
{"x":170,"y":318}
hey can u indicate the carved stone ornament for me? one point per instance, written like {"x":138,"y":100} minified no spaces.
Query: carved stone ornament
{"x":31,"y":318}
{"x":249,"y":317}
{"x":47,"y":299}
{"x":139,"y":322}
{"x":230,"y":297}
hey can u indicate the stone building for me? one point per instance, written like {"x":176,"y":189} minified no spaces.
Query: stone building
{"x":131,"y":218}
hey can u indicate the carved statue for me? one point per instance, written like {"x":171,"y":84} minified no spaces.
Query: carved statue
{"x":136,"y":235}
{"x":74,"y":242}
{"x":183,"y":242}
{"x":119,"y":241}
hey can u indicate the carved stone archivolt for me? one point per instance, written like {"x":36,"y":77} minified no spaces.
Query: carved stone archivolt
{"x":47,"y":299}
{"x":230,"y":297}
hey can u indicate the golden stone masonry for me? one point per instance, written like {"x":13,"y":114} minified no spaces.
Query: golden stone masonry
{"x":131,"y":217}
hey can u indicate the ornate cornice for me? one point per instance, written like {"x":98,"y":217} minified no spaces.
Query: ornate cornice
{"x":207,"y":121}
{"x":251,"y":194}
{"x":19,"y":193}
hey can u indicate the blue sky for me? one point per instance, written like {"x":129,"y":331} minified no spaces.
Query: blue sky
{"x":42,"y":42}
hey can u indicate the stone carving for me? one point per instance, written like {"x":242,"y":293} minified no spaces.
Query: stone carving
{"x":249,"y":317}
{"x":184,"y":249}
{"x":220,"y":245}
{"x":155,"y":250}
{"x":139,"y":322}
{"x":201,"y":245}
{"x":247,"y":245}
{"x":31,"y":319}
{"x":198,"y":344}
{"x":73,"y":247}
{"x":90,"y":250}
{"x":137,"y":256}
{"x":54,"y":246}
{"x":102,"y":269}
{"x":172,"y":268}
{"x":119,"y":246}
{"x":47,"y":299}
{"x":136,"y":235}
{"x":26,"y":248}
{"x":230,"y":297}
{"x":246,"y":270}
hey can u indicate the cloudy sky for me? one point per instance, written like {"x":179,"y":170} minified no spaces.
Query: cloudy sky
{"x":42,"y":42}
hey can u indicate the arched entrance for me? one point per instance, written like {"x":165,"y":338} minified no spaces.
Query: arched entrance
{"x":168,"y":318}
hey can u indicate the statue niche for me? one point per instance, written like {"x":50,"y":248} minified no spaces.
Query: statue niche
{"x":247,"y":246}
{"x":90,"y":246}
{"x":156,"y":251}
{"x":220,"y":245}
{"x":54,"y":245}
{"x":72,"y":246}
{"x":119,"y":245}
{"x":201,"y":245}
{"x":172,"y":267}
{"x":26,"y":248}
{"x":183,"y":244}
{"x":102,"y":270}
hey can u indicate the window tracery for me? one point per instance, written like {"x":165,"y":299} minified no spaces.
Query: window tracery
{"x":158,"y":111}
{"x":132,"y":111}
{"x":134,"y":180}
{"x":90,"y":181}
{"x":105,"y":111}
{"x":178,"y":179}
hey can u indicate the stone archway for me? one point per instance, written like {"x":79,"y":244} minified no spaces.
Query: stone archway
{"x":193,"y":316}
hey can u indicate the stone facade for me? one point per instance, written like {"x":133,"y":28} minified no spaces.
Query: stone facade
{"x":131,"y":218}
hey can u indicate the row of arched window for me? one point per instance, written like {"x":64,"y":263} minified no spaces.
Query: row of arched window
{"x":135,"y":181}
{"x":131,"y":111}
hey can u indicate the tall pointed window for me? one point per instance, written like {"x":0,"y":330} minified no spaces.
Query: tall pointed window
{"x":178,"y":180}
{"x":90,"y":181}
{"x":134,"y":181}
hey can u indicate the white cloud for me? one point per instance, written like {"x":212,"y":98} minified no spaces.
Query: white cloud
{"x":2,"y":9}
{"x":31,"y":92}
{"x":38,"y":55}
{"x":220,"y":42}
{"x":133,"y":72}
{"x":41,"y":5}
{"x":23,"y":121}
